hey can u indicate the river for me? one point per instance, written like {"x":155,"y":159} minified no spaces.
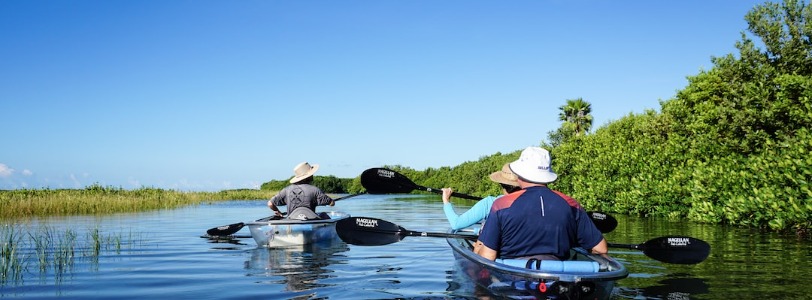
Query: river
{"x":161,"y":255}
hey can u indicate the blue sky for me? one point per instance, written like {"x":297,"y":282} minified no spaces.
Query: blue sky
{"x":211,"y":95}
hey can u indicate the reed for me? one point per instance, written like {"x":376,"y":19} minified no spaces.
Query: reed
{"x":96,"y":239}
{"x":12,"y":267}
{"x":97,"y":200}
{"x":41,"y":243}
{"x":64,"y":254}
{"x":52,"y":251}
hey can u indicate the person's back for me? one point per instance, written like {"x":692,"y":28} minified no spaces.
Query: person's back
{"x":301,"y":194}
{"x":537,"y":221}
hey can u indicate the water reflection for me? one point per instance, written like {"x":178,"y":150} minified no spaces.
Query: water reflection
{"x":675,"y":288}
{"x":231,"y":242}
{"x":299,"y":268}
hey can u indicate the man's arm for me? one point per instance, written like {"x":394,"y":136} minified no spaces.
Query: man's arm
{"x":274,"y":208}
{"x":484,"y":251}
{"x":279,"y":197}
{"x":601,"y":248}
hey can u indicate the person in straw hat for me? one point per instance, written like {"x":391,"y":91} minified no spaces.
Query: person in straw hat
{"x":301,"y":197}
{"x":504,"y":177}
{"x":536,"y":222}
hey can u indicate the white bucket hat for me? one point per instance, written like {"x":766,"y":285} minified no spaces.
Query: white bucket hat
{"x":302,"y":171}
{"x":534,"y":166}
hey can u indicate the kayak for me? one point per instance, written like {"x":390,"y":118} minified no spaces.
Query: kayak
{"x":583,"y":276}
{"x":282,"y":232}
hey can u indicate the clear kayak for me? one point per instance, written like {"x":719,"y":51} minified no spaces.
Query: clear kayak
{"x":583,"y":276}
{"x":283,"y":232}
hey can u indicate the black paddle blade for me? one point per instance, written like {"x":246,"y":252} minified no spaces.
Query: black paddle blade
{"x":386,"y":181}
{"x":605,"y":223}
{"x":676,"y":249}
{"x":225,"y":229}
{"x":364,"y":231}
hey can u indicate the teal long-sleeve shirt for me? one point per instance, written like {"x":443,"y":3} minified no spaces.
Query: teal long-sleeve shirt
{"x":476,"y":213}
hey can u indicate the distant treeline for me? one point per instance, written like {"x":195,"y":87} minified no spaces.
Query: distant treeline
{"x":328,"y":184}
{"x":733,"y":147}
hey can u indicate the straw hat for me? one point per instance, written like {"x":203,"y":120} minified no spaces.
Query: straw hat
{"x":504,"y":176}
{"x":302,"y":171}
{"x":534,"y":166}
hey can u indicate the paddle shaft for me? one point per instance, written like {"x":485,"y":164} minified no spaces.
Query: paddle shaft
{"x":386,"y":181}
{"x":347,"y":196}
{"x":366,"y":231}
{"x":437,"y":234}
{"x":440,"y":191}
{"x":595,"y":216}
{"x":626,"y":246}
{"x":605,"y":222}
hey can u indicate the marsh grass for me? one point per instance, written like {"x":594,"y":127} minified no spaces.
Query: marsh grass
{"x":53,"y":253}
{"x":97,"y":200}
{"x":11,"y":261}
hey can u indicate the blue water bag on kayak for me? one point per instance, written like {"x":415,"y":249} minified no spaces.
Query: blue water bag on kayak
{"x":554,"y":266}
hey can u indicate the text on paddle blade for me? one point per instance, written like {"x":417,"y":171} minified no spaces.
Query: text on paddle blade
{"x":366,"y":222}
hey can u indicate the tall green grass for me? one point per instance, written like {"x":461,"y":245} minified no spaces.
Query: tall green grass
{"x":52,"y":252}
{"x":96,"y":199}
{"x":12,"y":266}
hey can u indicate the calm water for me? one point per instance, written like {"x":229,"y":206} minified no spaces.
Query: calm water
{"x":161,"y":255}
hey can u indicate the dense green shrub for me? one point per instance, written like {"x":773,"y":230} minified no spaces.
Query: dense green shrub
{"x":732,"y":147}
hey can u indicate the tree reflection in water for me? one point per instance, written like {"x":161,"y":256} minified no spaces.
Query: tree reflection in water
{"x":675,"y":288}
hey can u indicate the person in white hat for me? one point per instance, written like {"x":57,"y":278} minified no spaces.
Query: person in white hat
{"x":536,"y":222}
{"x":504,"y":177}
{"x":301,"y":197}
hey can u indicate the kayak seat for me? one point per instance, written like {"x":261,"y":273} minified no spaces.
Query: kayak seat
{"x":303,"y":213}
{"x":574,"y":266}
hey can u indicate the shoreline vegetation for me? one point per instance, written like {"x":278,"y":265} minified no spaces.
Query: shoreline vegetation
{"x":96,"y":199}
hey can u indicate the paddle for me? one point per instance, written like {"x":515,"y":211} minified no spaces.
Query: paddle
{"x":672,"y":249}
{"x":386,"y":181}
{"x":603,"y":221}
{"x":225,"y":229}
{"x":233,"y":228}
{"x":365,"y":231}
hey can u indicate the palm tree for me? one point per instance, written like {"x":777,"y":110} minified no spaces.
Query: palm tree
{"x":577,"y":115}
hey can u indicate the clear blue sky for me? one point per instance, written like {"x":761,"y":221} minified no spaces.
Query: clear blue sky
{"x":210,"y":95}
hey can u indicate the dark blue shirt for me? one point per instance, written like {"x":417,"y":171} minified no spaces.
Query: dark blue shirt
{"x":537,"y":221}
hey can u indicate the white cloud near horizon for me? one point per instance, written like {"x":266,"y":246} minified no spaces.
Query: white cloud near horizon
{"x":5,"y":171}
